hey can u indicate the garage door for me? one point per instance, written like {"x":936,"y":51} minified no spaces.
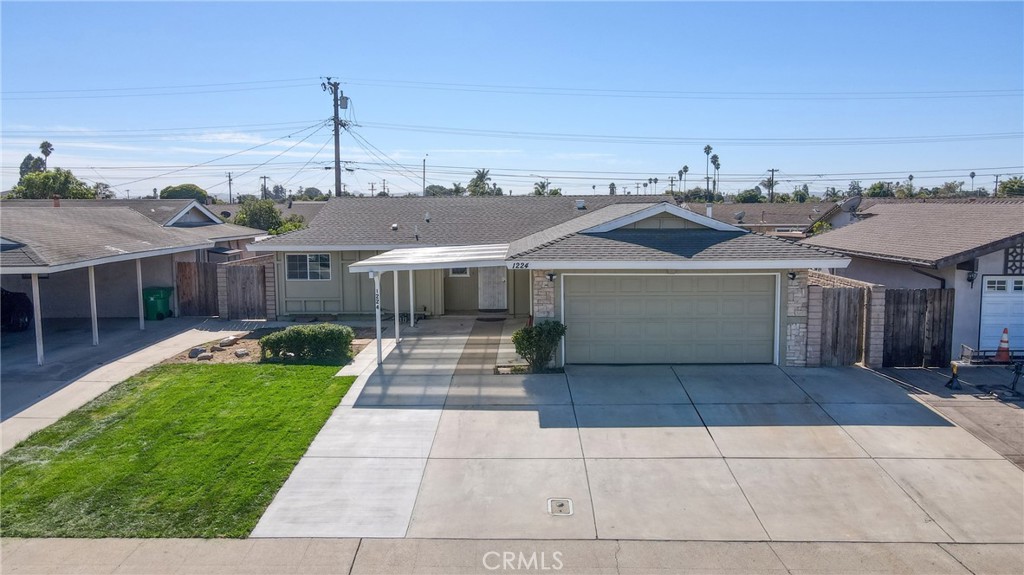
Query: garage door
{"x":670,"y":319}
{"x":1002,"y":307}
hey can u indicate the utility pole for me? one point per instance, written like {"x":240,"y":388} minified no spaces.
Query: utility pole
{"x":371,"y":188}
{"x":263,"y":194}
{"x":340,"y":103}
{"x":638,"y":188}
{"x":771,"y":185}
{"x":671,"y":184}
{"x":230,"y":200}
{"x":424,"y":175}
{"x":995,"y":192}
{"x":384,"y":187}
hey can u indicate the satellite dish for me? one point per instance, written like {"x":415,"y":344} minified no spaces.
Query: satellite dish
{"x":851,"y":204}
{"x":739,"y":216}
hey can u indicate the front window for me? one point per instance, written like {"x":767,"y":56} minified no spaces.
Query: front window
{"x":996,"y":285}
{"x":458,"y":272}
{"x":308,"y":266}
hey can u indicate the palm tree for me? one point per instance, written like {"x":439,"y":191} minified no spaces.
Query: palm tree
{"x":611,"y":189}
{"x":540,"y":188}
{"x":655,"y":186}
{"x":682,"y":175}
{"x":46,"y":148}
{"x":972,"y":182}
{"x":482,"y":175}
{"x":645,"y":188}
{"x":715,"y":164}
{"x":707,"y":169}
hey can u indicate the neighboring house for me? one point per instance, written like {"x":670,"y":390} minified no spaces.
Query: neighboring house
{"x":788,"y":220}
{"x":229,"y":240}
{"x":975,"y":248}
{"x":307,"y":210}
{"x":89,"y":258}
{"x":635,"y":279}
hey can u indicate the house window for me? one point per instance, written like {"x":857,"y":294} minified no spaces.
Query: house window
{"x":1018,"y":285}
{"x":458,"y":273}
{"x":308,"y":266}
{"x":995,"y":285}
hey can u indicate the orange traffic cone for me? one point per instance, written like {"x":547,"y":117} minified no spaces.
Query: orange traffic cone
{"x":1003,"y":353}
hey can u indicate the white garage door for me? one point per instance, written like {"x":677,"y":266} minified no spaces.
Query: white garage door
{"x":670,"y":319}
{"x":1002,"y":307}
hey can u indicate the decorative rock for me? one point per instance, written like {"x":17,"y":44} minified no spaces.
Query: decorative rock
{"x":228,"y":341}
{"x":205,"y":357}
{"x":216,"y":348}
{"x":241,"y":353}
{"x":195,"y":351}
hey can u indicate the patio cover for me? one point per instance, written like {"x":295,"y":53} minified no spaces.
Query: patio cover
{"x":434,"y":257}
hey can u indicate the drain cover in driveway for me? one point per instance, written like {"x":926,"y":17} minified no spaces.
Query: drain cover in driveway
{"x":560,"y":506}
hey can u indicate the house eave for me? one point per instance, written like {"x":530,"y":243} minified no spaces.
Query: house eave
{"x":825,"y":263}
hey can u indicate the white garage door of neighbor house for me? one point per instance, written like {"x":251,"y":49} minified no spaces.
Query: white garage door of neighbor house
{"x":670,"y":318}
{"x":1002,"y":307}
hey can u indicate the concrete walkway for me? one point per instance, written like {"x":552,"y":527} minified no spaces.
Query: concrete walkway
{"x":437,"y":556}
{"x":45,"y":399}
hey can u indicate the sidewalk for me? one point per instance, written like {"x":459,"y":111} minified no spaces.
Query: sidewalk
{"x":437,"y":556}
{"x":89,"y":386}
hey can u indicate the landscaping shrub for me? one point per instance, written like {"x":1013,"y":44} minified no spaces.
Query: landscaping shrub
{"x":537,"y":343}
{"x":315,"y":342}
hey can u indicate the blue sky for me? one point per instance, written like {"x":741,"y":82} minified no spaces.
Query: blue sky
{"x":136,"y":94}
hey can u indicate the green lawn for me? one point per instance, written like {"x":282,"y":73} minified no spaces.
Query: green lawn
{"x":176,"y":451}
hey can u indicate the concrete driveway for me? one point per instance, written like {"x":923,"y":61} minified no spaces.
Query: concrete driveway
{"x":740,"y":453}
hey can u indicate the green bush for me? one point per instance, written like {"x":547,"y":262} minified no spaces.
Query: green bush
{"x":537,"y":343}
{"x":323,"y":342}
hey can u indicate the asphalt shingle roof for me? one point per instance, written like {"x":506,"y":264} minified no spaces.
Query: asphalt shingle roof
{"x":453,"y":220}
{"x":308,"y":210}
{"x":160,"y":211}
{"x":928,"y":234}
{"x":788,"y":214}
{"x":69,"y":235}
{"x":673,"y":245}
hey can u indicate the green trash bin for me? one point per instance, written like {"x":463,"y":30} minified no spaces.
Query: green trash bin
{"x":157,"y":302}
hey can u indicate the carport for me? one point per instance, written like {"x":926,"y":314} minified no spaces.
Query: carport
{"x":42,"y":243}
{"x":427,"y":258}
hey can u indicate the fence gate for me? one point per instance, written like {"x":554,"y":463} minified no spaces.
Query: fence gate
{"x":246,"y":292}
{"x":842,"y":325}
{"x":197,"y":288}
{"x":918,"y":327}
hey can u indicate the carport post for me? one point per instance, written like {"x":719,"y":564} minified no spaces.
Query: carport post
{"x":138,"y":279}
{"x":376,"y":311}
{"x":397,"y":315}
{"x":92,"y":305}
{"x":412,"y":302}
{"x":37,"y":314}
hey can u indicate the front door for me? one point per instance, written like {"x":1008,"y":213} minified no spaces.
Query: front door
{"x":492,"y":293}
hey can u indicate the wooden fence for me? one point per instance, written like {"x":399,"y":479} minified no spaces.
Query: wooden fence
{"x":247,"y":288}
{"x":918,"y":327}
{"x":842,"y":325}
{"x":197,"y":288}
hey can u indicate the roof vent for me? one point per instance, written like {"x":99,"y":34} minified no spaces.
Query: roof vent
{"x":581,"y":204}
{"x":394,"y":227}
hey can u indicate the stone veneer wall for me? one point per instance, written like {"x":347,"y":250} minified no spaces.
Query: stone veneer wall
{"x":543,"y":295}
{"x":795,"y":353}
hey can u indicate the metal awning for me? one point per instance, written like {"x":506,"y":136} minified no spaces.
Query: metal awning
{"x":432,"y":258}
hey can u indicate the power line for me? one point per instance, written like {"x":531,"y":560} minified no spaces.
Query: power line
{"x":687,"y":95}
{"x":228,"y":155}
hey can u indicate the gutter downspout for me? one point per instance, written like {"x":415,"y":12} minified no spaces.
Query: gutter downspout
{"x":942,"y":281}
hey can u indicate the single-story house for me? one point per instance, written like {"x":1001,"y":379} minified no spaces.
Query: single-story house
{"x":91,"y":258}
{"x":975,"y":248}
{"x":307,"y":210}
{"x":229,"y":240}
{"x":789,"y":220}
{"x":635,"y":279}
